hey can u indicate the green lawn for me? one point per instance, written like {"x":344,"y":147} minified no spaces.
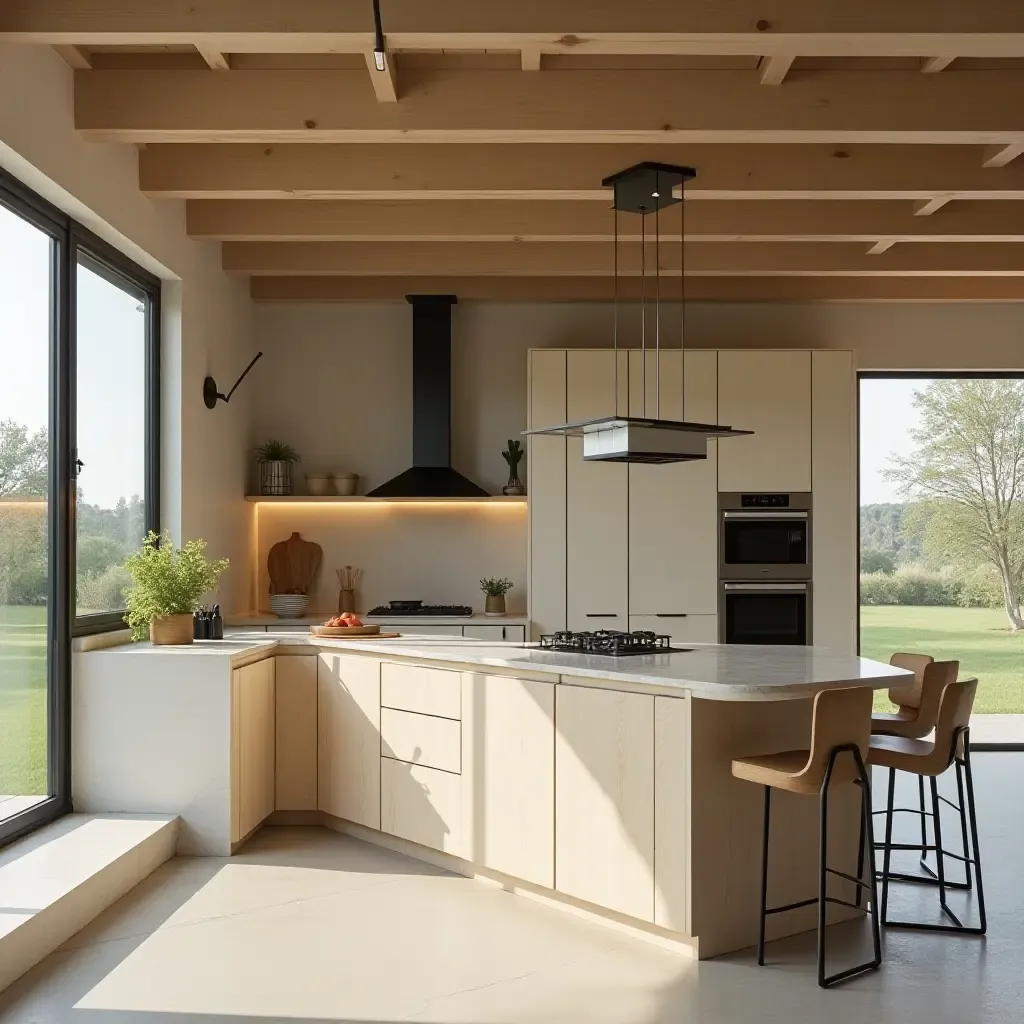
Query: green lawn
{"x":22,"y":701}
{"x":977,"y":637}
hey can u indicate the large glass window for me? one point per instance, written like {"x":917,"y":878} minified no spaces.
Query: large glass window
{"x":79,"y":443}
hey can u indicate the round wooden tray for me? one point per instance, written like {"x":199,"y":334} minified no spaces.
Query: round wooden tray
{"x":344,"y":630}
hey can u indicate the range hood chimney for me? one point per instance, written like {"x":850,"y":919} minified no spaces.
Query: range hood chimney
{"x":431,"y":475}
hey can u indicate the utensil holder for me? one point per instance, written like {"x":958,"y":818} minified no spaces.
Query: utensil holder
{"x":346,"y":601}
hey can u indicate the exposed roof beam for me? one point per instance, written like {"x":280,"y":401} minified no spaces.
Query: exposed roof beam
{"x":879,"y":247}
{"x":871,"y":27}
{"x":926,"y":207}
{"x":590,"y":289}
{"x":933,"y":65}
{"x":543,"y":221}
{"x":387,"y":259}
{"x":75,"y":56}
{"x":567,"y":172}
{"x":217,"y":60}
{"x":384,"y":82}
{"x":836,"y":107}
{"x":1000,"y":156}
{"x":775,"y":69}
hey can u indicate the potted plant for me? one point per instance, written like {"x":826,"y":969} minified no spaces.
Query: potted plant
{"x":168,"y":584}
{"x":513,"y":457}
{"x":495,"y":589}
{"x":276,"y":460}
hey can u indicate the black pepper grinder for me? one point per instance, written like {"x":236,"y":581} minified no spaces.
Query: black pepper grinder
{"x":217,"y":624}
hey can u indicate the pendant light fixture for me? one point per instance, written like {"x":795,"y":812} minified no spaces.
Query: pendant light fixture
{"x":643,"y":190}
{"x":380,"y":61}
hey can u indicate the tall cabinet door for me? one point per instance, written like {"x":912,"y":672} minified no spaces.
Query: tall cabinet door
{"x":253,"y":688}
{"x":348,"y":737}
{"x":597,"y":499}
{"x":673,"y":509}
{"x":769,"y":393}
{"x":834,"y":622}
{"x":545,"y":466}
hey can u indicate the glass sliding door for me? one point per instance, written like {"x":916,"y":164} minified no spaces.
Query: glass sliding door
{"x":30,"y":658}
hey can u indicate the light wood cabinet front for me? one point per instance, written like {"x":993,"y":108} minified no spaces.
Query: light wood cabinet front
{"x":604,"y":798}
{"x":509,"y":767}
{"x":427,"y":691}
{"x":296,"y":728}
{"x":423,"y":805}
{"x":421,"y":739}
{"x":348,"y":733}
{"x":769,"y":393}
{"x":673,"y":509}
{"x":254,"y":692}
{"x":596,"y":499}
{"x":672,"y":813}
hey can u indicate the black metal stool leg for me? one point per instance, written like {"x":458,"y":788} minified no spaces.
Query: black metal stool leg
{"x":887,"y":854}
{"x":924,"y":818}
{"x":822,"y":868}
{"x":969,"y":778}
{"x":866,"y":810}
{"x":968,"y":884}
{"x":764,"y":873}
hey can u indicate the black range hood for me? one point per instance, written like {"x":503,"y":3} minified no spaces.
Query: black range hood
{"x":431,"y":475}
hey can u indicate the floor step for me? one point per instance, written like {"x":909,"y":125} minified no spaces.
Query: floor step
{"x":55,"y":881}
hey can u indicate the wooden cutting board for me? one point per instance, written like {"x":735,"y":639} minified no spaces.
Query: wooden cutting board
{"x":292,"y":565}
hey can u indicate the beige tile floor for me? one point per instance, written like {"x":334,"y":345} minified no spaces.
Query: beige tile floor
{"x":310,"y":927}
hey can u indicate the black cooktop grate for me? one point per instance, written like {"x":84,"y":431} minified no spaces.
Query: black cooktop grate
{"x":610,"y":642}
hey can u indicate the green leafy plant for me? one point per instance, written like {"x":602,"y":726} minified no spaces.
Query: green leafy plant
{"x":494,"y":587}
{"x":167,"y":581}
{"x":277,"y":451}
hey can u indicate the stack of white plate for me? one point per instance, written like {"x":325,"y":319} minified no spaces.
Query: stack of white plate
{"x":289,"y":606}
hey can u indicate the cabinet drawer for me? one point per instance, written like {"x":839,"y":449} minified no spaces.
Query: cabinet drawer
{"x":423,"y":805}
{"x":428,"y":691}
{"x":421,"y":739}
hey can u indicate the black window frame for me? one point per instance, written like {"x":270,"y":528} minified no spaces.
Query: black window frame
{"x":68,"y":239}
{"x":863,"y":375}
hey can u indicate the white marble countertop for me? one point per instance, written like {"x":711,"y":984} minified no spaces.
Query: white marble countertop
{"x":710,"y":671}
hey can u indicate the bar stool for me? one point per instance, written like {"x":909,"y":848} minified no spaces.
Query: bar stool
{"x":950,"y":747}
{"x":918,"y":702}
{"x":840,"y":724}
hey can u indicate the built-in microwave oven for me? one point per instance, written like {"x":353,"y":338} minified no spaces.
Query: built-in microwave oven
{"x":764,"y":613}
{"x":764,"y":536}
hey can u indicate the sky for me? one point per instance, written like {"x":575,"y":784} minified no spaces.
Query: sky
{"x":886,"y":418}
{"x":111,"y":362}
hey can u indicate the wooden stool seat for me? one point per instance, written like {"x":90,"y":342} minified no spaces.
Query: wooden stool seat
{"x":918,"y":701}
{"x":789,"y":770}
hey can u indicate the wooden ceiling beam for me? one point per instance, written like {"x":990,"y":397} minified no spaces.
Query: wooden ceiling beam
{"x":926,"y":207}
{"x":566,"y":172}
{"x":933,"y":65}
{"x":215,"y":59}
{"x":599,"y":289}
{"x":752,"y":27}
{"x":384,"y":80}
{"x":286,"y":220}
{"x":774,"y":69}
{"x":650,"y":107}
{"x":528,"y":259}
{"x":1000,"y":156}
{"x":75,"y":56}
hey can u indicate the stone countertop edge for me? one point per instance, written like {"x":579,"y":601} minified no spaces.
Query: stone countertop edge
{"x":709,"y":671}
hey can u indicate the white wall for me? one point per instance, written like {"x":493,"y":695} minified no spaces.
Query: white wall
{"x":337,"y":380}
{"x":207,"y":316}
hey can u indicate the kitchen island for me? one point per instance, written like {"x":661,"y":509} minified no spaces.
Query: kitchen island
{"x":597,"y":783}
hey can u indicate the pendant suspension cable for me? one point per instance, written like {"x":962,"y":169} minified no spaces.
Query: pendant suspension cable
{"x":615,"y":301}
{"x":682,"y":298}
{"x":657,"y":313}
{"x":643,"y":311}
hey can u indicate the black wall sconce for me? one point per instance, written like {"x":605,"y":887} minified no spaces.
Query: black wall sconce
{"x":210,"y":393}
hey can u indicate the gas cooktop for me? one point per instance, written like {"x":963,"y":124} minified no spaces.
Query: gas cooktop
{"x":403,"y":608}
{"x":611,"y":642}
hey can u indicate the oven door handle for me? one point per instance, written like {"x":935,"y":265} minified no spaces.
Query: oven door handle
{"x":766,"y":588}
{"x":782,"y":516}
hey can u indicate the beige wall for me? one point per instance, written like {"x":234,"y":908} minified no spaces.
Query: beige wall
{"x":207,"y":316}
{"x":337,"y":380}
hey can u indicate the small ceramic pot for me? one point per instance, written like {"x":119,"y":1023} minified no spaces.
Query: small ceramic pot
{"x":171,"y":629}
{"x":318,"y":483}
{"x":494,"y":604}
{"x":345,"y":483}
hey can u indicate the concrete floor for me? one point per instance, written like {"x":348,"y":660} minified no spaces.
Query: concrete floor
{"x":311,"y":927}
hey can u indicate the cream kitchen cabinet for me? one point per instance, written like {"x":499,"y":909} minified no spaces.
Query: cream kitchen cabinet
{"x":546,"y":482}
{"x":424,"y":805}
{"x":597,"y":499}
{"x":506,"y":634}
{"x":253,"y":742}
{"x":769,"y":393}
{"x":604,"y":798}
{"x":682,"y":629}
{"x":348,"y":737}
{"x":834,"y":622}
{"x":296,"y":728}
{"x":509,"y":730}
{"x":673,"y":509}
